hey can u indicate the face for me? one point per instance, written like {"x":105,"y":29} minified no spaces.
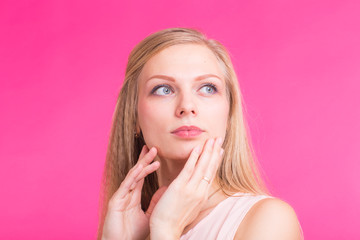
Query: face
{"x":182,"y":86}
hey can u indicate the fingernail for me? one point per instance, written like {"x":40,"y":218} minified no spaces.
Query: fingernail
{"x":211,"y":141}
{"x":221,"y":152}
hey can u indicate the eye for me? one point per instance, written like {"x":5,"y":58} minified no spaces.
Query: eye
{"x":209,"y":88}
{"x":161,"y":90}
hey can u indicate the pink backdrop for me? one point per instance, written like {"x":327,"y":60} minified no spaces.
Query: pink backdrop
{"x":62,"y":65}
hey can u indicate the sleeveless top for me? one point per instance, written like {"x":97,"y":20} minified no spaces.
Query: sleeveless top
{"x":223,"y":221}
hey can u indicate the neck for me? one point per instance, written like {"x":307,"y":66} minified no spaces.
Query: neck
{"x":168,"y":171}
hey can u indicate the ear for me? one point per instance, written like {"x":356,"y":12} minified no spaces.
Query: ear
{"x":137,"y":128}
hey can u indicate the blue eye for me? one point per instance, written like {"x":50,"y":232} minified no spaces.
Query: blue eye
{"x":209,"y":88}
{"x":161,"y":90}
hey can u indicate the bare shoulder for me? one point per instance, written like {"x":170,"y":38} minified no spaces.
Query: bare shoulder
{"x":269,"y":219}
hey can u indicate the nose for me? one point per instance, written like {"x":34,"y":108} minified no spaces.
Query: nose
{"x":186,"y":105}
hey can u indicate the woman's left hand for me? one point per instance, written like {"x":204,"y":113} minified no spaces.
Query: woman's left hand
{"x":182,"y":201}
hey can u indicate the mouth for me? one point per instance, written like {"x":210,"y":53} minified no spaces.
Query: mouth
{"x":188,"y":131}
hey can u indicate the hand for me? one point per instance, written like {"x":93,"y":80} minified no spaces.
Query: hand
{"x":181,"y":203}
{"x":124,"y":218}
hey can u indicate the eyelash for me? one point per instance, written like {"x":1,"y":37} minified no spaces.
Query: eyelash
{"x":165,"y":85}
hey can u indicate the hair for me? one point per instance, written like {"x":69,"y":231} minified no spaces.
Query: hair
{"x":238,"y":171}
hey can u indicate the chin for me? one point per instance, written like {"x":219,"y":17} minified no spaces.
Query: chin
{"x":180,"y":154}
{"x":177,"y":150}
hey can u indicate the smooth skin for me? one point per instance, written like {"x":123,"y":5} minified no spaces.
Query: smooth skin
{"x":188,"y":191}
{"x":125,"y":218}
{"x":270,"y":219}
{"x":165,"y":218}
{"x":172,"y":95}
{"x":179,"y":97}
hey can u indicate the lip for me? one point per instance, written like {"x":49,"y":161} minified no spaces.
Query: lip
{"x":187,"y":128}
{"x":187,"y":131}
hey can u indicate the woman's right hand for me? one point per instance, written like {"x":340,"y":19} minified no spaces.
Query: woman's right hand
{"x":124,"y":218}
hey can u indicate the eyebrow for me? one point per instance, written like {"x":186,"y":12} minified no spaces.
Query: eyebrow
{"x":173,"y":79}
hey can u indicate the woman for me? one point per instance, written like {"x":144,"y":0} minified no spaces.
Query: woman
{"x":179,"y":163}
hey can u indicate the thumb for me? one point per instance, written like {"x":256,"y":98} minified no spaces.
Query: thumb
{"x":154,"y":200}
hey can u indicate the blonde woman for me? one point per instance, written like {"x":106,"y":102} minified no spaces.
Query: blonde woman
{"x":179,"y":163}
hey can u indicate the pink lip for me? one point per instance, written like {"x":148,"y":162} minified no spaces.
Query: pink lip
{"x":187,"y":131}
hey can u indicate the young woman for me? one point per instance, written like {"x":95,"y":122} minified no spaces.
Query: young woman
{"x":179,"y":163}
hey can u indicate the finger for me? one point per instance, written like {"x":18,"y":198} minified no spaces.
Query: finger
{"x":128,"y":181}
{"x":203,"y":162}
{"x":148,"y":170}
{"x":136,"y":187}
{"x":137,"y":191}
{"x":132,"y":178}
{"x":148,"y":157}
{"x":145,"y":159}
{"x":215,"y":161}
{"x":144,"y":150}
{"x":188,"y":169}
{"x":123,"y":203}
{"x":215,"y":158}
{"x":210,"y":173}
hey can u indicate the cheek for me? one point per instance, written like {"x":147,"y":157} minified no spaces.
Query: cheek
{"x":144,"y":114}
{"x":218,"y":116}
{"x":151,"y":115}
{"x":154,"y":122}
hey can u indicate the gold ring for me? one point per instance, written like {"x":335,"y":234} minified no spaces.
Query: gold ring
{"x":206,"y":179}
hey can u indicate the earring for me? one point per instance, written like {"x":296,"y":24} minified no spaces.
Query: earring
{"x":136,"y":134}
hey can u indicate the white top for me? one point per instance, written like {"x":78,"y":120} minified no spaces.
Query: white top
{"x":224,"y":220}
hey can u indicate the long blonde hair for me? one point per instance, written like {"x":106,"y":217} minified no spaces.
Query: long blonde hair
{"x":238,"y":171}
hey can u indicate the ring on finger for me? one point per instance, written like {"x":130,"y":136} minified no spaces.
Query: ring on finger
{"x":206,"y":179}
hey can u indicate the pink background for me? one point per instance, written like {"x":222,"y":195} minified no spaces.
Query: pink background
{"x":62,"y":64}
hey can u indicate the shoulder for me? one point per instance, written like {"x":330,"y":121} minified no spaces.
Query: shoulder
{"x":270,"y":218}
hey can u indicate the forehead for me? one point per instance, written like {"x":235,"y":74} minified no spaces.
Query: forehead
{"x":182,"y":61}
